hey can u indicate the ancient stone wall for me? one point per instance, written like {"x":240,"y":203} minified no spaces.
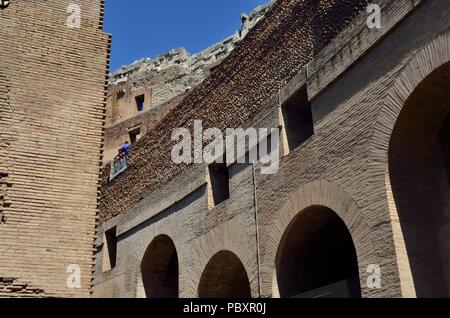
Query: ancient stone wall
{"x":292,"y":32}
{"x":160,"y":80}
{"x":52,"y":102}
{"x":344,"y":166}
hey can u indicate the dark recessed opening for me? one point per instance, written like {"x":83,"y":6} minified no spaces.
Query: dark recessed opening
{"x":110,"y":249}
{"x":134,"y":135}
{"x":219,"y":182}
{"x":317,"y":257}
{"x":297,"y":117}
{"x":224,"y":277}
{"x":418,"y":175}
{"x":160,"y":269}
{"x":140,"y":102}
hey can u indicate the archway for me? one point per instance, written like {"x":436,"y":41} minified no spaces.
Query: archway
{"x":224,"y":277}
{"x":316,"y":257}
{"x":419,"y":175}
{"x":159,"y":269}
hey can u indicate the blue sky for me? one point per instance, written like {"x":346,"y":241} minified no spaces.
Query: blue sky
{"x":147,"y":28}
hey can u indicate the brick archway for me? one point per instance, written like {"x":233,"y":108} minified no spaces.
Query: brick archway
{"x":426,"y":60}
{"x":332,"y":197}
{"x":159,"y":270}
{"x":224,"y":277}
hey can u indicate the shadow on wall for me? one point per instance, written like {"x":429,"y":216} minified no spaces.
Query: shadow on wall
{"x":419,"y":169}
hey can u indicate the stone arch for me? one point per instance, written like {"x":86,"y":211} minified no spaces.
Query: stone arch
{"x":317,"y":257}
{"x":224,"y":277}
{"x":159,"y":270}
{"x":329,"y":197}
{"x":390,"y":158}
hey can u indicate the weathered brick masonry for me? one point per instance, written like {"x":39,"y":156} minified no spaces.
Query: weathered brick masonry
{"x":156,"y":82}
{"x":290,"y":35}
{"x":52,"y":102}
{"x":117,"y":134}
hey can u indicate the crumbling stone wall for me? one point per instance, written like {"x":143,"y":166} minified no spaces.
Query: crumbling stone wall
{"x":163,"y":78}
{"x":52,"y":91}
{"x":159,"y":87}
{"x":177,"y":71}
{"x":276,"y":49}
{"x":198,"y":62}
{"x":18,"y":289}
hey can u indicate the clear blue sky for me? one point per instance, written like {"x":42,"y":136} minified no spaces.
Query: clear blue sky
{"x":147,"y":28}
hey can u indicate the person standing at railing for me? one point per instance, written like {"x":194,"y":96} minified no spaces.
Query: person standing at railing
{"x":126,"y":148}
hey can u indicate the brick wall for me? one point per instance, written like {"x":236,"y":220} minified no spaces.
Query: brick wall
{"x":52,"y":92}
{"x":344,"y":166}
{"x":116,"y":134}
{"x":273,"y":52}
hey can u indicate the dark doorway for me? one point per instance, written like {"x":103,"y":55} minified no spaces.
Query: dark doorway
{"x":224,"y":277}
{"x":317,"y":258}
{"x":159,"y":269}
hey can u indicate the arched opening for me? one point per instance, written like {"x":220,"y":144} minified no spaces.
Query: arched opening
{"x":316,"y":257}
{"x":224,"y":277}
{"x":419,"y":170}
{"x":159,"y":269}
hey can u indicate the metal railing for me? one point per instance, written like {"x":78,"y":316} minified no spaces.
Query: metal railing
{"x":349,"y":288}
{"x":118,"y":166}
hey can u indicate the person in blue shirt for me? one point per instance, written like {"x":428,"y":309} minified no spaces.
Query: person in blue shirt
{"x":126,"y":148}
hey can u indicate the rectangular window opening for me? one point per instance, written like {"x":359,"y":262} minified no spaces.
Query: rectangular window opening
{"x":219,"y":184}
{"x":135,"y":135}
{"x":109,"y":249}
{"x":140,"y":102}
{"x":297,"y":118}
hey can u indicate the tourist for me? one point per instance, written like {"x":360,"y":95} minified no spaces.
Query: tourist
{"x":126,"y":148}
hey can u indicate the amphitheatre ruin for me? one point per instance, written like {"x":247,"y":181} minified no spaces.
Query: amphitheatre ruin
{"x":358,"y":206}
